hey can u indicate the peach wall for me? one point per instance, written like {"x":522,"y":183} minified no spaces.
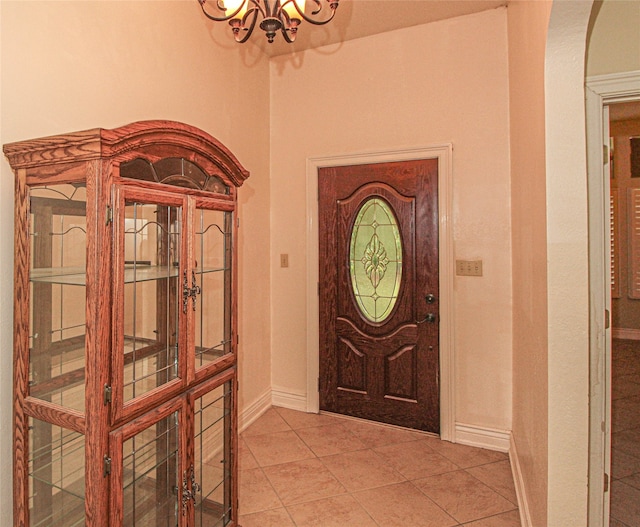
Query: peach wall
{"x":441,"y":82}
{"x":527,"y":39}
{"x":70,"y":66}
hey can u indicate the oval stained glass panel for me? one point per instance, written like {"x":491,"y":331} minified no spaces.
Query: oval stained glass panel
{"x":375,"y":259}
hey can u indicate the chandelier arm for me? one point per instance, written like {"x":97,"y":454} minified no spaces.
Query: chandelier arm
{"x":248,"y":30}
{"x":289,"y":36}
{"x":333,"y":5}
{"x":222,"y":18}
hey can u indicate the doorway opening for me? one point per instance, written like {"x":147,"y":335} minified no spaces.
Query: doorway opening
{"x":609,"y":114}
{"x":624,"y":184}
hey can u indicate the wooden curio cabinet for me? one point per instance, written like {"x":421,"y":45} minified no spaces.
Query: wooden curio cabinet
{"x":125,"y":328}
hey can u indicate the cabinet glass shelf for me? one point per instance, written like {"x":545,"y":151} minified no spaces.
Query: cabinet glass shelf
{"x":139,"y":273}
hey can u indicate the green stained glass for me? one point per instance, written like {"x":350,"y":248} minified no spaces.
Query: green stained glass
{"x":375,"y":259}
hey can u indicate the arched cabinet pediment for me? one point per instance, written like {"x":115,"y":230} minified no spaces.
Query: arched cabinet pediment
{"x":125,"y":339}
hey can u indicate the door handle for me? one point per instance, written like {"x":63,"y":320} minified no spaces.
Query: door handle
{"x":429,"y":317}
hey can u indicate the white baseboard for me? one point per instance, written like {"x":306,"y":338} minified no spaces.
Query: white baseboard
{"x":489,"y":438}
{"x":523,"y":503}
{"x":251,"y":412}
{"x":289,"y":399}
{"x":625,"y":333}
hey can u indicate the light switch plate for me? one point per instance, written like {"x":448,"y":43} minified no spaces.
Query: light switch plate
{"x":469,"y":267}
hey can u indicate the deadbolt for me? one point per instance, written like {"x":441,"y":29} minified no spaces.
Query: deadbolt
{"x":430,"y":299}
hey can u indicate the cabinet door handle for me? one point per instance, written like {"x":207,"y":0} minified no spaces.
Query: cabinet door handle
{"x":189,"y":291}
{"x":189,"y":480}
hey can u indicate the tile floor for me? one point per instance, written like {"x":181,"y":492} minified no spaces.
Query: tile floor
{"x":307,"y":470}
{"x":625,"y":434}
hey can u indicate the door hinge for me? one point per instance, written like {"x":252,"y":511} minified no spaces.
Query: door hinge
{"x":238,"y":222}
{"x":607,"y":319}
{"x":605,"y":154}
{"x":109,"y":215}
{"x":318,"y":384}
{"x":107,"y":394}
{"x":606,"y":482}
{"x":106,"y":466}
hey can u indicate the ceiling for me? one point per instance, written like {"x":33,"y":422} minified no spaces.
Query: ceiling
{"x":361,"y":18}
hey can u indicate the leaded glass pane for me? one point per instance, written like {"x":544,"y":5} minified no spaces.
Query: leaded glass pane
{"x":58,"y":240}
{"x":151,"y":475}
{"x":375,"y":260}
{"x":213,"y":457}
{"x":213,"y":276}
{"x":56,"y":476}
{"x":152,"y":296}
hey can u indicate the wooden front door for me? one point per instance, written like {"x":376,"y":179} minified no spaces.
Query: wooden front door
{"x":379,"y":293}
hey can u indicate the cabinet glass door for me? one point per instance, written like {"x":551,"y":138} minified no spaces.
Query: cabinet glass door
{"x":147,"y":467}
{"x":58,"y":240}
{"x":150,"y":296}
{"x":212,"y":234}
{"x":56,"y":476}
{"x":213,"y":458}
{"x":150,"y":476}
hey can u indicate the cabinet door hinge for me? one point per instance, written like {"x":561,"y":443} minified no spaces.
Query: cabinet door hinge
{"x":109,"y":214}
{"x":606,"y":482}
{"x":107,"y":394}
{"x":106,"y":466}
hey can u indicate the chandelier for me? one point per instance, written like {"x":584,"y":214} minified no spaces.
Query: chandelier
{"x":277,"y":15}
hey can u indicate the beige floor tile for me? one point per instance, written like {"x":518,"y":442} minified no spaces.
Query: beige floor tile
{"x":255,"y":493}
{"x":245,"y":457}
{"x":268,"y":423}
{"x":280,"y":447}
{"x":465,"y":456}
{"x":362,"y":469}
{"x":302,"y":481}
{"x":499,"y":477}
{"x":272,"y":518}
{"x":297,"y":420}
{"x":330,"y":439}
{"x":508,"y":519}
{"x":415,"y":459}
{"x":373,"y":435}
{"x":463,"y":496}
{"x":338,"y":511}
{"x":402,"y":505}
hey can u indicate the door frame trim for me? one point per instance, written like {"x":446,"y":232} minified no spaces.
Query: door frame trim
{"x":601,"y":91}
{"x":443,"y":152}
